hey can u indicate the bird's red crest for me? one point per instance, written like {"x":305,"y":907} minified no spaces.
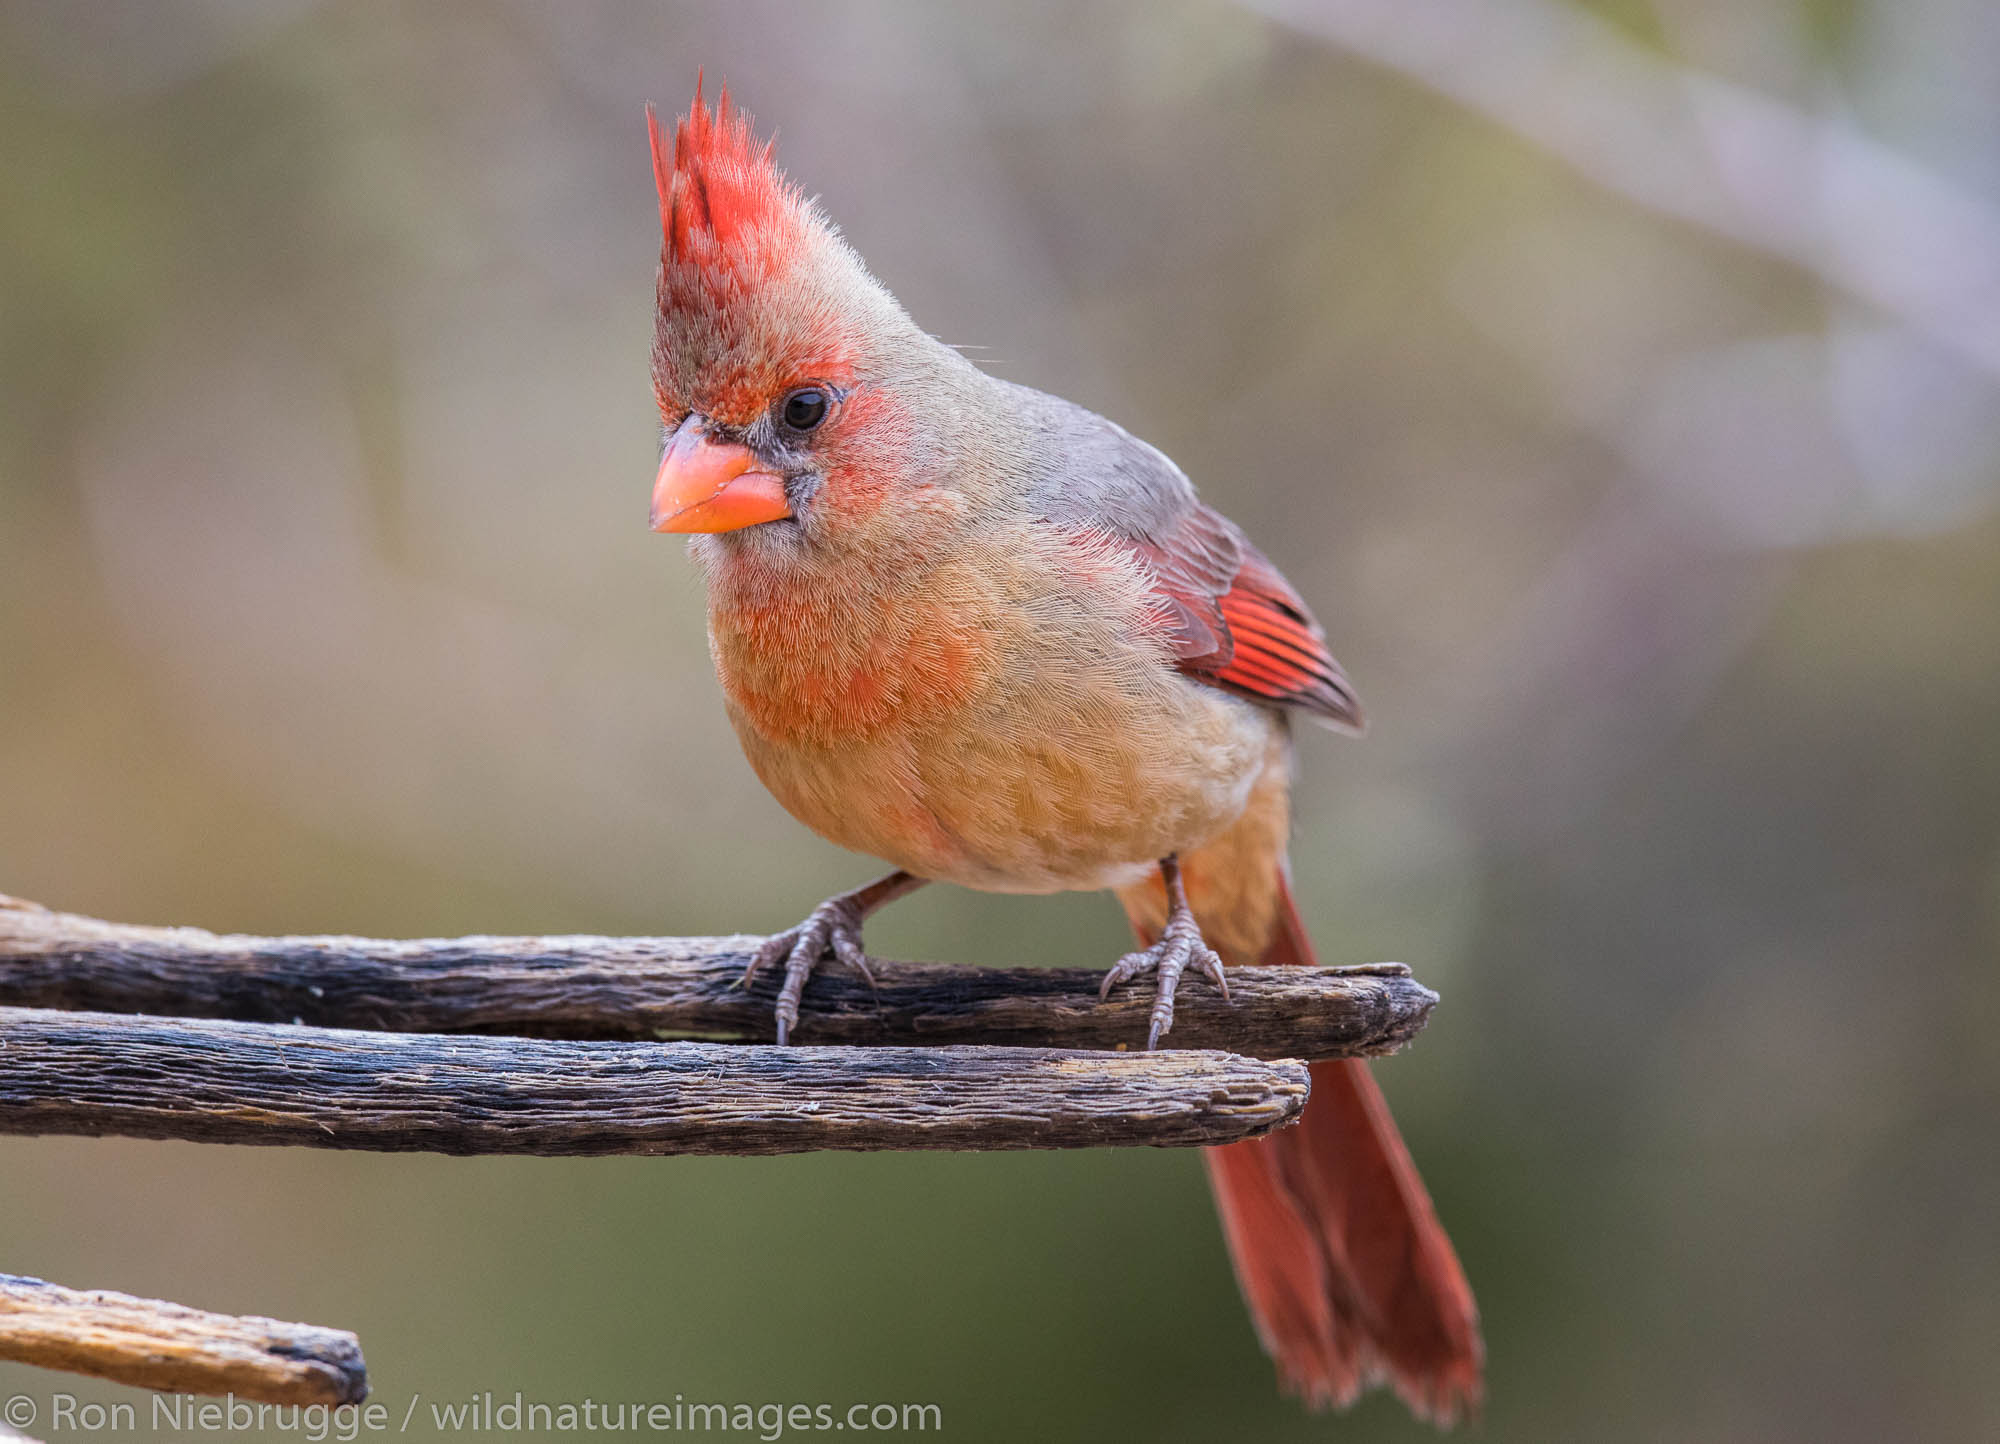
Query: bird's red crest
{"x":757,"y":292}
{"x":724,"y":204}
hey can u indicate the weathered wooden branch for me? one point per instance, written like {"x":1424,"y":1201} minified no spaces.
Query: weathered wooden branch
{"x":653,"y":988}
{"x":158,"y":1345}
{"x":224,"y":1082}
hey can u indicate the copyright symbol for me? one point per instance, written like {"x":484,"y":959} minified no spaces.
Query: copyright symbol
{"x":20,"y":1411}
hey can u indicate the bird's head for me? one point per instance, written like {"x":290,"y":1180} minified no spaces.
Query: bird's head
{"x":783,"y":370}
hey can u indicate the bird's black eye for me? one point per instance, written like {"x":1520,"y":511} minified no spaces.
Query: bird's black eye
{"x":804,"y":408}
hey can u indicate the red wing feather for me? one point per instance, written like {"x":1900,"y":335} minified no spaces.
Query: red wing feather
{"x":1237,"y":623}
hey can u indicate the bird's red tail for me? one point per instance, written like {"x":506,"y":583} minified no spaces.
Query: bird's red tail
{"x":1348,"y":1274}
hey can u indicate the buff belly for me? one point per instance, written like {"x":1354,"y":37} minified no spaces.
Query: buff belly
{"x":1009,"y":719}
{"x":1047,"y":789}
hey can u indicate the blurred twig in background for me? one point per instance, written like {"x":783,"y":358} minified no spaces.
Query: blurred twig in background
{"x":1735,"y":457}
{"x":157,"y":1345}
{"x":1807,"y":188}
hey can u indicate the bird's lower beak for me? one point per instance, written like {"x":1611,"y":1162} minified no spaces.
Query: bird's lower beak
{"x":711,"y":486}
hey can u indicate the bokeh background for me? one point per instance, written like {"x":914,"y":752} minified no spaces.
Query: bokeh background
{"x":1621,"y":384}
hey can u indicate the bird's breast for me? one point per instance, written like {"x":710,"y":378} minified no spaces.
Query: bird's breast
{"x":830,"y":668}
{"x":1001,"y":722}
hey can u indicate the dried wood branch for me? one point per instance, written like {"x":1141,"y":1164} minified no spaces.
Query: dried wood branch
{"x":652,"y":988}
{"x":158,"y":1345}
{"x":224,"y":1082}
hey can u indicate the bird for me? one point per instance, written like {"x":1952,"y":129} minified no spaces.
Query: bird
{"x":991,"y":638}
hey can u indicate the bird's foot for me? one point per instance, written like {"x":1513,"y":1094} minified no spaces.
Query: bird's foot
{"x":834,"y":927}
{"x":1180,"y":947}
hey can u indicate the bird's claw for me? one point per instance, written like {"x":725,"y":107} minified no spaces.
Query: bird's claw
{"x":832,"y":927}
{"x":1180,"y":947}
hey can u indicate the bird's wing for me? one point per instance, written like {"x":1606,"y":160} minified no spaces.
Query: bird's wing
{"x":1250,"y":632}
{"x":1234,"y":621}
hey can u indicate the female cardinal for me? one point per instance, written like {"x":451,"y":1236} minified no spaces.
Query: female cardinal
{"x":993,"y":639}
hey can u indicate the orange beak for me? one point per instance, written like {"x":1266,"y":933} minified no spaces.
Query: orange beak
{"x":711,"y":486}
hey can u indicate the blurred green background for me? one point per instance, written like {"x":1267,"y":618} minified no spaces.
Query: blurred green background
{"x":1622,"y":387}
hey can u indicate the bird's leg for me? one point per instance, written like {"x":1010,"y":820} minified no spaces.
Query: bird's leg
{"x":1180,"y":947}
{"x":832,"y":927}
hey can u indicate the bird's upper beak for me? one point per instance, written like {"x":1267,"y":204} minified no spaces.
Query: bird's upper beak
{"x":707,"y":485}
